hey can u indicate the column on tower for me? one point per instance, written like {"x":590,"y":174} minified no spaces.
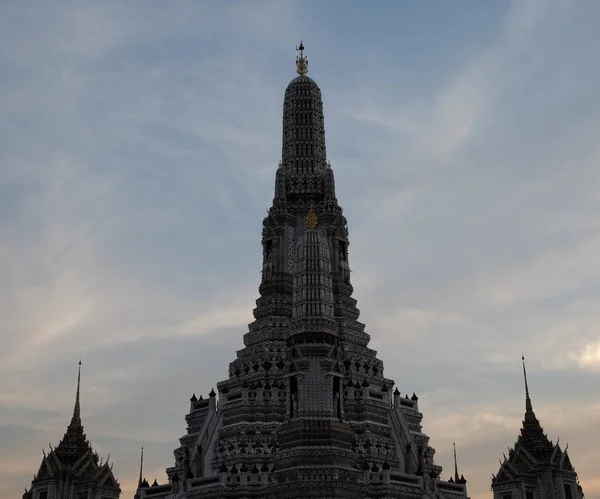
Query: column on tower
{"x":314,"y":328}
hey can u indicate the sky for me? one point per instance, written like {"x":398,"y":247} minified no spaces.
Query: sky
{"x":138,"y":149}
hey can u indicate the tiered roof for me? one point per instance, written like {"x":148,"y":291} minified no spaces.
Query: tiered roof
{"x":75,"y":459}
{"x":532,"y":450}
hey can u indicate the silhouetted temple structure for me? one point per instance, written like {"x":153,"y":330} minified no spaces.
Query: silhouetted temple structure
{"x":535,"y":467}
{"x":73,"y":470}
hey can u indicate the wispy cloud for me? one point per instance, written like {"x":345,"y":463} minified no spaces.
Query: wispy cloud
{"x":589,"y":356}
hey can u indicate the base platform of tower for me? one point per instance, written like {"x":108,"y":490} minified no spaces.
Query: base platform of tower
{"x":306,"y":411}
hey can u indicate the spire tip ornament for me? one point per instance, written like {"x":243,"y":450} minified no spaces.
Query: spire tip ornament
{"x":301,"y":61}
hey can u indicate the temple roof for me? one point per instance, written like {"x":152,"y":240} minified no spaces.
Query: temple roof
{"x":74,"y":443}
{"x":533,"y":438}
{"x":532,"y":449}
{"x":74,"y":455}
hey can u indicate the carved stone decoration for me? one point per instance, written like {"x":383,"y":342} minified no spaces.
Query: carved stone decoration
{"x":268,"y":270}
{"x":344,"y":272}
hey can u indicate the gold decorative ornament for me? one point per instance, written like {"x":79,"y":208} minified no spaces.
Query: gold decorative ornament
{"x":311,"y":217}
{"x":301,"y":61}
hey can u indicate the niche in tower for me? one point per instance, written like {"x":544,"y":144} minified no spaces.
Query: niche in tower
{"x":343,"y":256}
{"x":408,"y":469}
{"x":337,"y":399}
{"x":199,"y":462}
{"x":268,"y":261}
{"x":293,"y":397}
{"x":268,"y":249}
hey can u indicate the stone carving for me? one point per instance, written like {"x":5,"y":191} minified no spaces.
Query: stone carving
{"x":344,"y":272}
{"x":294,"y":413}
{"x":268,"y":270}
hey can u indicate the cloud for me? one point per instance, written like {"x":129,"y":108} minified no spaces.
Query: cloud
{"x":589,"y":357}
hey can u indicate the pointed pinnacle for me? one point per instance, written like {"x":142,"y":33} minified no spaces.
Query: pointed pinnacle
{"x":528,"y":405}
{"x":141,"y":465}
{"x":76,"y":409}
{"x":455,"y":463}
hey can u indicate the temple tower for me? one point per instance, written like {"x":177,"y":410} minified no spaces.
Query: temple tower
{"x":306,"y":411}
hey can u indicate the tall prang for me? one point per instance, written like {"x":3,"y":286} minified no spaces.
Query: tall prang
{"x":306,"y":411}
{"x":535,"y":467}
{"x":73,"y":470}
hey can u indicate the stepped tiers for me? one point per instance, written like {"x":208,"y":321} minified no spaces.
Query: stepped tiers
{"x":306,"y":411}
{"x":535,"y":468}
{"x":73,"y":470}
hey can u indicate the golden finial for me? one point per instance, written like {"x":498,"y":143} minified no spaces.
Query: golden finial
{"x":311,"y":217}
{"x":301,"y":61}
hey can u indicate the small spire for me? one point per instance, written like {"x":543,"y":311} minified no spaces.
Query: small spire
{"x":76,"y":419}
{"x":528,"y":405}
{"x":301,"y":61}
{"x":311,"y":217}
{"x":456,"y":478}
{"x":141,"y":466}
